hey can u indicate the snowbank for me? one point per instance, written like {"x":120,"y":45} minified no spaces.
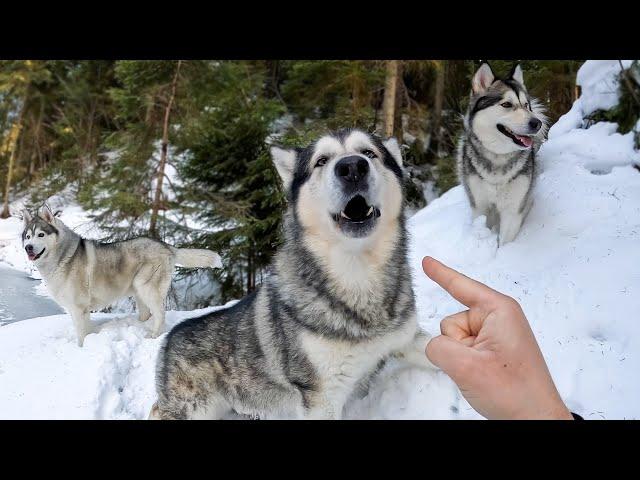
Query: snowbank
{"x":574,"y":268}
{"x":599,"y":83}
{"x":44,"y":374}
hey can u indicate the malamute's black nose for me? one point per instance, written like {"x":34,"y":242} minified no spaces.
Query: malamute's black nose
{"x":535,"y":124}
{"x":352,"y":169}
{"x":29,"y":248}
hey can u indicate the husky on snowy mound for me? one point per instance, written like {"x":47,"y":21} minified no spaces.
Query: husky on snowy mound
{"x":338,"y":303}
{"x":84,"y":275}
{"x":503,"y":130}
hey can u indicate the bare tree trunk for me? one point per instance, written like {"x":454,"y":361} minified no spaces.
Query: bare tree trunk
{"x":438,"y":103}
{"x":389,"y":100}
{"x":36,"y":145}
{"x":250,"y":273}
{"x":12,"y":158}
{"x":163,"y":156}
{"x":402,"y":95}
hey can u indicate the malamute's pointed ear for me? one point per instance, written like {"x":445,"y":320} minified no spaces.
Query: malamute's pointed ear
{"x":483,"y":78}
{"x":46,"y":214}
{"x":391,"y":144}
{"x":26,"y":216}
{"x":285,"y":162}
{"x":516,"y":74}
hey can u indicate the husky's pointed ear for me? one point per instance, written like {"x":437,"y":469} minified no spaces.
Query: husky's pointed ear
{"x":391,"y":144}
{"x":285,"y":162}
{"x":482,"y":79}
{"x":26,"y":216}
{"x":46,"y":214}
{"x":516,"y":74}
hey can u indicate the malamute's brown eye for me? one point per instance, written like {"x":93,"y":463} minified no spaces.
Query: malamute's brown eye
{"x":506,"y":105}
{"x":41,"y":234}
{"x":322,"y":161}
{"x":369,"y":153}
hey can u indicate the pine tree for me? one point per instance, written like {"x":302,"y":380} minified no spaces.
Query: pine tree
{"x":151,"y":100}
{"x":230,"y":183}
{"x":17,"y":80}
{"x":82,"y":116}
{"x":333,"y":94}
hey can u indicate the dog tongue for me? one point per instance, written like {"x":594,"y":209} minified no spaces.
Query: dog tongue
{"x":526,"y":141}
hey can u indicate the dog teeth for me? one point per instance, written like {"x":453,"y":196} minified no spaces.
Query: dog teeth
{"x":369,"y":212}
{"x":342,"y":214}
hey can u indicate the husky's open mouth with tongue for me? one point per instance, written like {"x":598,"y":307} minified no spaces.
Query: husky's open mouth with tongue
{"x":357,"y":218}
{"x":521,"y":140}
{"x":33,"y":256}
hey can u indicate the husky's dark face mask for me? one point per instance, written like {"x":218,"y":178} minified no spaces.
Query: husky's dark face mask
{"x":501,"y":114}
{"x":346,"y":185}
{"x":40,"y":233}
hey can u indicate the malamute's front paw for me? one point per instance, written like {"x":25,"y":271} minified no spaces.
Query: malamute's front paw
{"x":154,"y":414}
{"x":416,"y":352}
{"x":81,"y":337}
{"x":156,"y":332}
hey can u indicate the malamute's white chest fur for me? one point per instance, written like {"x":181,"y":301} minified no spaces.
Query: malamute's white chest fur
{"x":340,"y":365}
{"x":505,"y":195}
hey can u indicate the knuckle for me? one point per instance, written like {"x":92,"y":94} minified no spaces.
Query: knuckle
{"x":444,"y":323}
{"x":510,"y":302}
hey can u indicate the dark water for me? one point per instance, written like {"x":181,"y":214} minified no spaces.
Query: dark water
{"x":18,"y":298}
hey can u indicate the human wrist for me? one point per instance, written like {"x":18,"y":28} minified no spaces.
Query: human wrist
{"x":554,"y":411}
{"x":562,"y":413}
{"x":558,"y":411}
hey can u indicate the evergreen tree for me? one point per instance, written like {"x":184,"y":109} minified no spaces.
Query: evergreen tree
{"x":151,"y":99}
{"x":230,"y":183}
{"x":18,"y":80}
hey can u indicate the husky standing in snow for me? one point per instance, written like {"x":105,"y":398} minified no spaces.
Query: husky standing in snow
{"x":84,"y":275}
{"x":503,"y":130}
{"x":338,"y":303}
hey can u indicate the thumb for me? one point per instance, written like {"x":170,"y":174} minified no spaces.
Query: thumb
{"x":453,"y":357}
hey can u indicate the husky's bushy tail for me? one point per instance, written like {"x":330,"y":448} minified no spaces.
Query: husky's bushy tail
{"x":197,"y":258}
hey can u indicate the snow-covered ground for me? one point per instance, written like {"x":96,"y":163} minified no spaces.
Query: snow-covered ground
{"x":574,"y":269}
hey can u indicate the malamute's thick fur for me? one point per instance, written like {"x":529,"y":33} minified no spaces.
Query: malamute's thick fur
{"x":338,"y":302}
{"x":503,"y":129}
{"x":84,"y":275}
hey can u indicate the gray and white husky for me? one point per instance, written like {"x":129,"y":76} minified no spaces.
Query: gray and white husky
{"x":84,"y":275}
{"x":338,"y":302}
{"x":503,"y":130}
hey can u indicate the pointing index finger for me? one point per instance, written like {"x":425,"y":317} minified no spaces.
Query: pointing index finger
{"x":467,"y":291}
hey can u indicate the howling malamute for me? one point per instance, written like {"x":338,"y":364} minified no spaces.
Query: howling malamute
{"x":503,"y":129}
{"x":338,"y":302}
{"x":84,"y":275}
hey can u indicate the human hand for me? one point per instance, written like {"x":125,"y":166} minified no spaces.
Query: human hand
{"x":491,"y":353}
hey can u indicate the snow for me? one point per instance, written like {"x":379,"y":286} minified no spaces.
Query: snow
{"x":599,"y":83}
{"x":573,"y":268}
{"x":44,"y":374}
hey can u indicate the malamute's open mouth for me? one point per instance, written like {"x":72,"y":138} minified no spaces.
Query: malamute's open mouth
{"x":520,"y":140}
{"x":357,"y":218}
{"x":33,"y":257}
